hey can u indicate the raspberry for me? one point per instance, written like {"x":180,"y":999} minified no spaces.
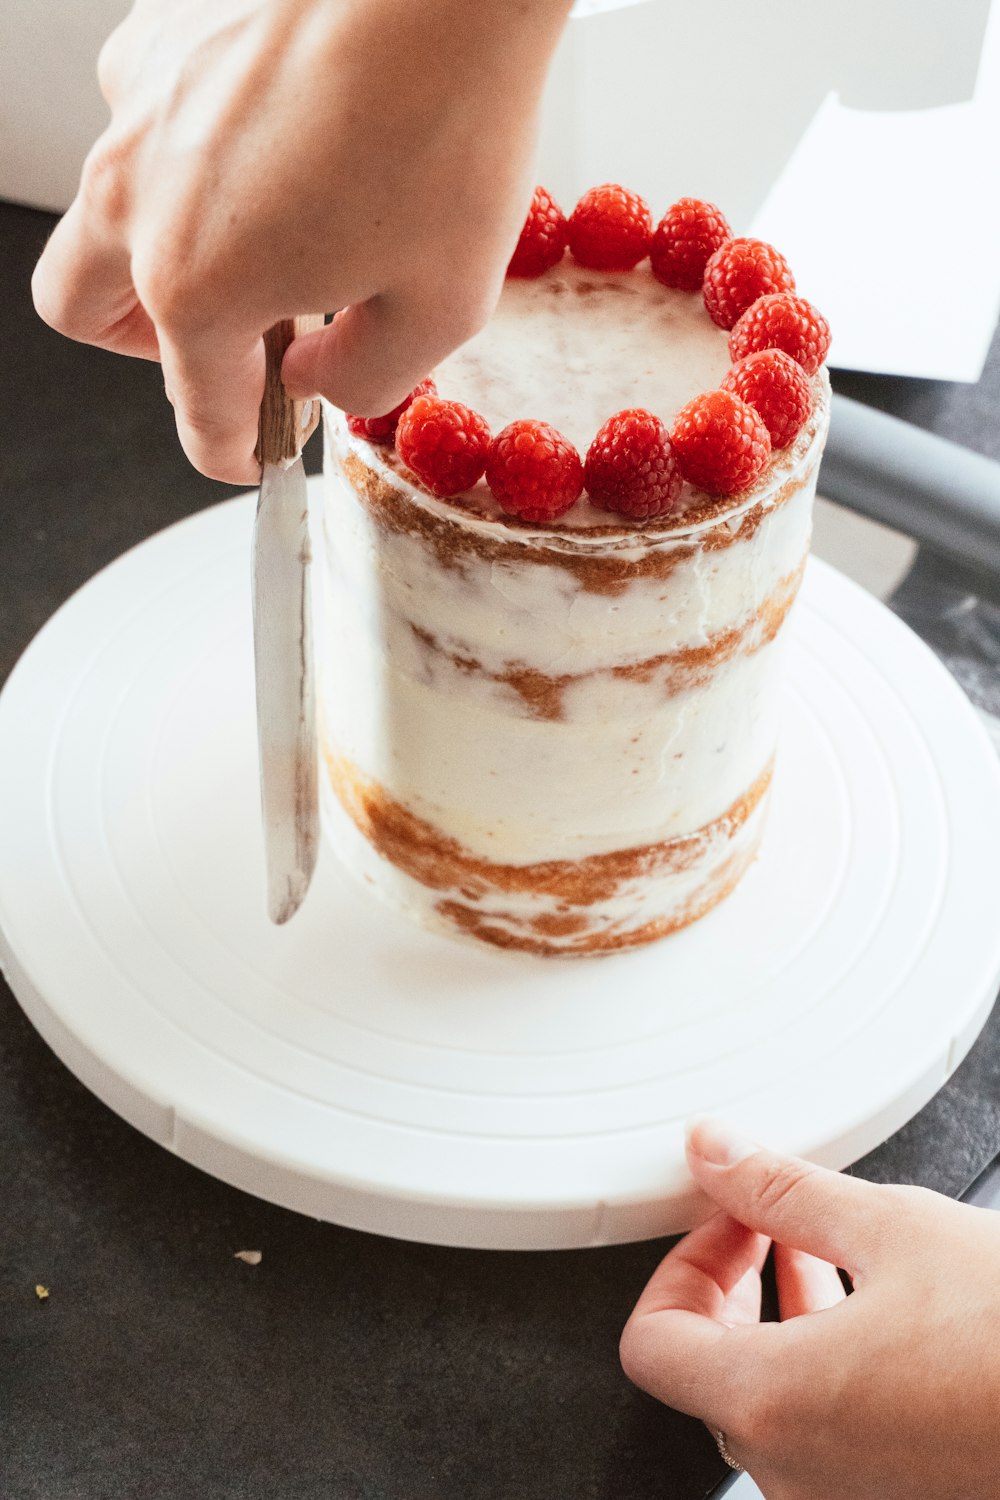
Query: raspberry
{"x":543,"y":238}
{"x":738,"y":273}
{"x":444,"y":443}
{"x":610,"y":228}
{"x":533,"y":471}
{"x":631,"y":467}
{"x":783,"y":322}
{"x":382,"y":429}
{"x":721,"y":443}
{"x":777,"y":389}
{"x":689,"y":232}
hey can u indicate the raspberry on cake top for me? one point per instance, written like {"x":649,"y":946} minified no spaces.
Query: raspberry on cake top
{"x":735,"y":389}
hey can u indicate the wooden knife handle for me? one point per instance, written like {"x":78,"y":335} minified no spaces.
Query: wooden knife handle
{"x":285,"y":424}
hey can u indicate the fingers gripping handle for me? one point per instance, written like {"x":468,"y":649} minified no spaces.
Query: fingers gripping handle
{"x":285,"y":425}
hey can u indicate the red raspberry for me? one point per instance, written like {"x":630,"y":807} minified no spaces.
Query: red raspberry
{"x":533,"y":471}
{"x":738,"y":273}
{"x":382,"y":429}
{"x":721,"y":443}
{"x":543,"y":238}
{"x":689,"y":232}
{"x":444,"y":443}
{"x":783,"y":322}
{"x":610,"y":228}
{"x":778,"y":390}
{"x":631,"y":467}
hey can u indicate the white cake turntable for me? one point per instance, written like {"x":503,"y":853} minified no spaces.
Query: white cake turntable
{"x":356,"y":1068}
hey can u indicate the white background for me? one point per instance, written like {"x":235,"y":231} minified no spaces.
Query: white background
{"x":848,"y":133}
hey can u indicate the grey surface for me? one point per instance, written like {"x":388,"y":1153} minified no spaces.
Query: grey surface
{"x":344,"y":1367}
{"x":938,"y":492}
{"x":963,"y":413}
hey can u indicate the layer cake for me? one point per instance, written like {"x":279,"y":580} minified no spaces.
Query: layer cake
{"x":558,"y":738}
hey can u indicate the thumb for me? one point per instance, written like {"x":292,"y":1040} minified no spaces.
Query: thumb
{"x":373,"y":353}
{"x":841,"y":1219}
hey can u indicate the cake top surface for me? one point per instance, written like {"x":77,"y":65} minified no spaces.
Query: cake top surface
{"x":575,"y":345}
{"x":658,"y":382}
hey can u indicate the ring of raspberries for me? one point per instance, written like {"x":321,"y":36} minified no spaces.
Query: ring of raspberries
{"x":720,"y":442}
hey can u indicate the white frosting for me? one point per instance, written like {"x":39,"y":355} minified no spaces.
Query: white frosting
{"x":611,"y":340}
{"x":629,"y":762}
{"x":423,"y":661}
{"x":506,"y":614}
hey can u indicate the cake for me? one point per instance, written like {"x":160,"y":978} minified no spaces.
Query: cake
{"x":559,"y":736}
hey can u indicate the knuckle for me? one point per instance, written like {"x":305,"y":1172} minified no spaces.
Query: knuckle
{"x":170,"y":288}
{"x":629,"y":1352}
{"x":205,"y":429}
{"x":648,"y":1363}
{"x":781,"y":1180}
{"x":105,"y":190}
{"x":218,"y":464}
{"x":901,"y":1209}
{"x":186,"y":286}
{"x":214,"y":447}
{"x":57,"y":311}
{"x":366,"y":397}
{"x":61,"y":299}
{"x":465,"y":318}
{"x":52,"y":301}
{"x":450,"y":321}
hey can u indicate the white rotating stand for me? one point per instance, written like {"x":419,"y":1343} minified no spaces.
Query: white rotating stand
{"x":359,"y":1069}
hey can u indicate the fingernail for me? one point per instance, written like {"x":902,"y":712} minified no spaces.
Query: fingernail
{"x":717,"y":1143}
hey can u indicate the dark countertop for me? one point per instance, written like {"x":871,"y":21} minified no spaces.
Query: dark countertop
{"x":344,"y":1366}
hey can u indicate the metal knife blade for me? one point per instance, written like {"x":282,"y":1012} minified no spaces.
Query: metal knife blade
{"x":282,"y":634}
